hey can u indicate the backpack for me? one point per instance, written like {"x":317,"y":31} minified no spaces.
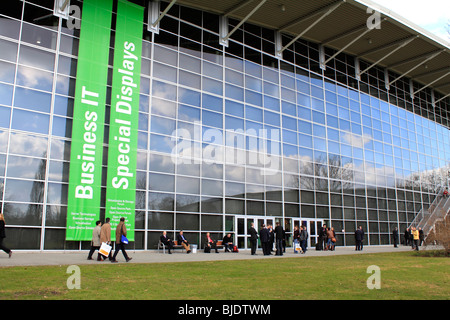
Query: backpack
{"x":235,"y":249}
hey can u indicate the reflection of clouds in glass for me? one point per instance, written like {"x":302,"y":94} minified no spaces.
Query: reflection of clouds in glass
{"x":29,"y":168}
{"x":356,"y":140}
{"x":29,"y":145}
{"x":34,"y":78}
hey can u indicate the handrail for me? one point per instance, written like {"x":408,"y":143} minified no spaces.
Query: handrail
{"x":444,"y":210}
{"x":438,"y":214}
{"x":421,"y":214}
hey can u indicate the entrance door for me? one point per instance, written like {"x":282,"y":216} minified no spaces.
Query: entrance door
{"x":244,"y":223}
{"x":312,"y":227}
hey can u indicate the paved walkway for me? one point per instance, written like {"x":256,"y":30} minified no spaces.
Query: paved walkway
{"x":24,"y":258}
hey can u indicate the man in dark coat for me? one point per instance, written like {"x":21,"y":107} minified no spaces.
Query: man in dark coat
{"x":323,"y":237}
{"x":279,"y":233}
{"x":265,"y":240}
{"x":407,"y":236}
{"x":359,"y":238}
{"x":166,"y":241}
{"x":303,"y":238}
{"x":253,"y":238}
{"x":395,"y":237}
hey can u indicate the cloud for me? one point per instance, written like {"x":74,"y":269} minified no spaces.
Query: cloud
{"x":432,"y":15}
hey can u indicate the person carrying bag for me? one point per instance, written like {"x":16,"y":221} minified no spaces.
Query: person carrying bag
{"x":121,"y":240}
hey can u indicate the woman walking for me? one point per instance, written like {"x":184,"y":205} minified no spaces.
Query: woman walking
{"x":3,"y":236}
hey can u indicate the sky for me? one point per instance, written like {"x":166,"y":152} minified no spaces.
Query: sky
{"x":432,"y":15}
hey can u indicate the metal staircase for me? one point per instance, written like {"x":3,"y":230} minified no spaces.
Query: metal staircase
{"x":438,"y":210}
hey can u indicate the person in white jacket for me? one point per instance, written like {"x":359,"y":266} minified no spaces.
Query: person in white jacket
{"x":95,"y":243}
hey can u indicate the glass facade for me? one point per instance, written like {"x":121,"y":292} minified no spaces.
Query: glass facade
{"x":279,"y":139}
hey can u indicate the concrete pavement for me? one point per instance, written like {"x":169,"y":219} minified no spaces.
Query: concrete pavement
{"x":37,"y":258}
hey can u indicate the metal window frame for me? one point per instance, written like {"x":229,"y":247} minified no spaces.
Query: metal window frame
{"x":61,"y":8}
{"x":328,"y":9}
{"x":154,"y":17}
{"x":224,"y":39}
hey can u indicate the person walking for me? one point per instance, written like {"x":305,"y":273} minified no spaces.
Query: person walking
{"x":95,"y":243}
{"x":303,"y":238}
{"x":279,"y":234}
{"x":121,"y":230}
{"x":3,"y":235}
{"x":253,"y":238}
{"x":395,"y":237}
{"x":105,"y":236}
{"x":359,"y":238}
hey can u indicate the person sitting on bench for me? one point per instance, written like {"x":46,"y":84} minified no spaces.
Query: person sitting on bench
{"x":182,"y":241}
{"x":210,"y":243}
{"x":227,"y":243}
{"x":166,"y":241}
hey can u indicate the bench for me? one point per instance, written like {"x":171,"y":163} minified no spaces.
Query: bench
{"x":219,"y":244}
{"x":179,"y":246}
{"x":163,"y":246}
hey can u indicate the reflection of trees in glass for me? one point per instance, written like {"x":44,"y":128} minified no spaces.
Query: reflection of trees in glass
{"x":141,"y":184}
{"x":30,"y":214}
{"x":38,"y":189}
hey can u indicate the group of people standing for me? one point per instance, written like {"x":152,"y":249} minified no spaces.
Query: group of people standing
{"x":414,"y":237}
{"x":268,"y":236}
{"x":327,"y":239}
{"x":102,"y":234}
{"x":300,"y":238}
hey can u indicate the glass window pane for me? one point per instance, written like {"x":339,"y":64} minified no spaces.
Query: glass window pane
{"x":57,"y":193}
{"x":36,"y":58}
{"x":39,"y":36}
{"x":30,"y":121}
{"x":24,"y":191}
{"x":8,"y":50}
{"x":164,"y":72}
{"x":188,"y":185}
{"x":160,"y":201}
{"x":28,"y":168}
{"x":34,"y":78}
{"x":187,"y":203}
{"x":7,"y":72}
{"x":8,"y":27}
{"x":23,"y":214}
{"x":161,"y":182}
{"x":32,"y":100}
{"x":6,"y":93}
{"x":29,"y":145}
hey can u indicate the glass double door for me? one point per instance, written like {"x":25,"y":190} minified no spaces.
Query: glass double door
{"x":244,"y":223}
{"x":312,"y":226}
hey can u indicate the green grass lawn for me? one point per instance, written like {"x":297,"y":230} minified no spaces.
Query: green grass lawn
{"x":404,"y":275}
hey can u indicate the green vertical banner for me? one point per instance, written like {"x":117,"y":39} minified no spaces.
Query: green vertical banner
{"x":86,"y":153}
{"x":123,"y":130}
